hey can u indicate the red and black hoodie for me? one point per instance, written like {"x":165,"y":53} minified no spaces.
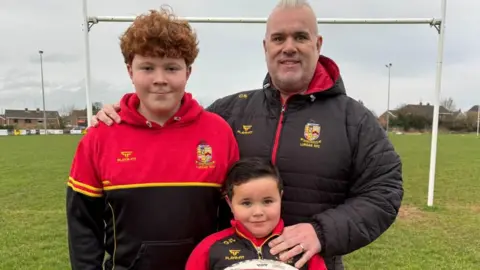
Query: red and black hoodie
{"x":236,"y":244}
{"x":147,"y":194}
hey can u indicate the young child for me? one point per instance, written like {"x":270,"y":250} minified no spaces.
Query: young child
{"x":254,"y":190}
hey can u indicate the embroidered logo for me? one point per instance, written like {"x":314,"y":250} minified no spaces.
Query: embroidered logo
{"x":246,"y":130}
{"x":204,"y":156}
{"x":311,"y":135}
{"x":234,"y":255}
{"x":229,"y":241}
{"x":126,"y":156}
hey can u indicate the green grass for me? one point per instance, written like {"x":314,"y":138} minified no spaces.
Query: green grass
{"x":445,"y":237}
{"x":33,"y":230}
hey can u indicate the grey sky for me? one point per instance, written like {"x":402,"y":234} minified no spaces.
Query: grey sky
{"x":231,"y":55}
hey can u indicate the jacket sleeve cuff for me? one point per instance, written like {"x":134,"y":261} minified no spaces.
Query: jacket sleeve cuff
{"x":320,"y":234}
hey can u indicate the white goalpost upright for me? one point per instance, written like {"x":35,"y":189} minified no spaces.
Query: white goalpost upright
{"x":438,"y":23}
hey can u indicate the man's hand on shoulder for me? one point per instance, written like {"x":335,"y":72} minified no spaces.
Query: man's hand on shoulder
{"x":108,"y":115}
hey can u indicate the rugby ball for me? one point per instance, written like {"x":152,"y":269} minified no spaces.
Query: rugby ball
{"x":260,"y":265}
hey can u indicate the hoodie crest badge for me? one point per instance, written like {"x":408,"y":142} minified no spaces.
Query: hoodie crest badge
{"x":204,"y":156}
{"x":311,"y":135}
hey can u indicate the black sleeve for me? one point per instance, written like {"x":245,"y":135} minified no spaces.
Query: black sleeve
{"x":375,"y":194}
{"x":85,"y":206}
{"x":85,"y":230}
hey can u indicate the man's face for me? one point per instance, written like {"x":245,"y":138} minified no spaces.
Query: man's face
{"x":292,"y":48}
{"x":257,"y":205}
{"x":159,"y":82}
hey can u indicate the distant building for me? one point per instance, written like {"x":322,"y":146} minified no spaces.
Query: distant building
{"x":77,"y":118}
{"x":31,"y":119}
{"x":424,"y":110}
{"x":474,"y":109}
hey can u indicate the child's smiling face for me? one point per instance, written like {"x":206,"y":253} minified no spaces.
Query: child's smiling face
{"x":257,"y":205}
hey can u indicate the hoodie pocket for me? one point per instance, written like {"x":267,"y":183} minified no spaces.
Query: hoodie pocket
{"x":163,"y":255}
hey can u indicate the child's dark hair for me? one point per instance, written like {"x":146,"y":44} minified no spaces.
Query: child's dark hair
{"x":247,"y":169}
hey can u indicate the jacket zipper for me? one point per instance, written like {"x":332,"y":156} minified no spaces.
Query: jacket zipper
{"x":258,"y":248}
{"x":278,"y":132}
{"x":259,"y":252}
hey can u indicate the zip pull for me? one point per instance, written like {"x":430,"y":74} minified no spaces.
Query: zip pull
{"x":259,"y":252}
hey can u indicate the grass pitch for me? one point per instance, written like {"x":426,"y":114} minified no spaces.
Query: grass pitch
{"x":34,"y":170}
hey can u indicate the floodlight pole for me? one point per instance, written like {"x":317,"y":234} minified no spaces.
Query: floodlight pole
{"x":389,"y":66}
{"x":43,"y":94}
{"x":86,"y":29}
{"x":436,"y":108}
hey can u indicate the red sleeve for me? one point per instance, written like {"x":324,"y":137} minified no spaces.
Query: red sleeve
{"x":317,"y":263}
{"x":83,"y":176}
{"x":198,"y":259}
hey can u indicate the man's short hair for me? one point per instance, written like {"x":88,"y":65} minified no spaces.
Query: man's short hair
{"x":281,"y":4}
{"x":249,"y":169}
{"x":292,"y":3}
{"x":159,"y":34}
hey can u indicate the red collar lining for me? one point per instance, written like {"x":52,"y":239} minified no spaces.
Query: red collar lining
{"x":258,"y":242}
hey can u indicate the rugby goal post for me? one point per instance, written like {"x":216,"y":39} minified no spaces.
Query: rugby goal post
{"x":438,"y":23}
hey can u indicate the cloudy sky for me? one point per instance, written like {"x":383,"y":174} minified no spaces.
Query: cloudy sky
{"x":231,"y":55}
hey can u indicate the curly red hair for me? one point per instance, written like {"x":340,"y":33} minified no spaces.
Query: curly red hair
{"x":159,"y":34}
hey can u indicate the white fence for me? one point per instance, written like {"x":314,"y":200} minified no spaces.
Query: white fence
{"x":24,"y":132}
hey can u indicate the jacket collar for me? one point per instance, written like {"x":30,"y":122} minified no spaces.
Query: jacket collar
{"x":257,"y":242}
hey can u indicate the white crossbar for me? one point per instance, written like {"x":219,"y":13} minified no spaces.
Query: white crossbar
{"x":430,"y":21}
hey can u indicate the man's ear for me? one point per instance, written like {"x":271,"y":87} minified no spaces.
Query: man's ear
{"x":281,"y":194}
{"x":264,"y":46}
{"x":319,"y":43}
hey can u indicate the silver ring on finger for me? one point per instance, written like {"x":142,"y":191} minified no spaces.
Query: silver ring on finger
{"x":301,"y":246}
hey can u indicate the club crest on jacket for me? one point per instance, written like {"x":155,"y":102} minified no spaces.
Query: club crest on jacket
{"x":311,"y":134}
{"x":204,"y":156}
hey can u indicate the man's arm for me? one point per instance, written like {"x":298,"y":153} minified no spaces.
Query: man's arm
{"x":85,"y":206}
{"x":374,"y":197}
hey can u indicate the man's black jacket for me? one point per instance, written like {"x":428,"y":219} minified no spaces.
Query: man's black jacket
{"x":340,"y":171}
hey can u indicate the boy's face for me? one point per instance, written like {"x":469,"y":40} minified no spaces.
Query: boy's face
{"x":257,"y":205}
{"x":159,"y":82}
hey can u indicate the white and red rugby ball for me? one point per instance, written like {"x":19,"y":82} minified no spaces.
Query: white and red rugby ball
{"x":261,"y":265}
